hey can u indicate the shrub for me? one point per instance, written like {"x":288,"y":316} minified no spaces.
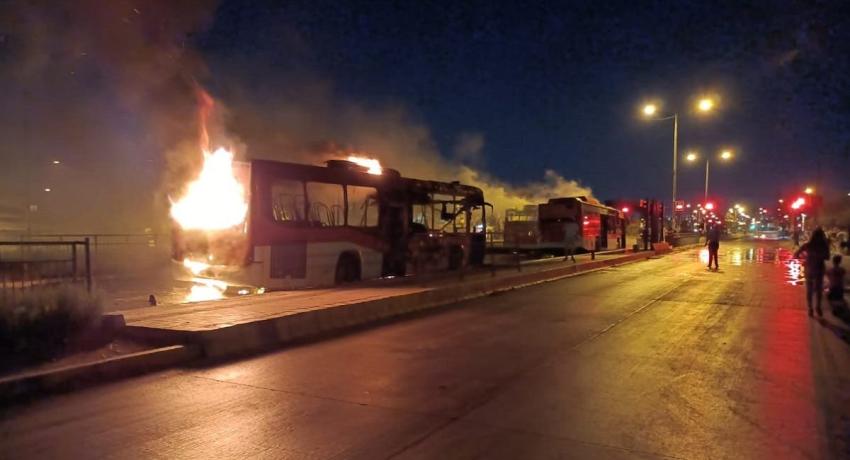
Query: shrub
{"x":39,"y":322}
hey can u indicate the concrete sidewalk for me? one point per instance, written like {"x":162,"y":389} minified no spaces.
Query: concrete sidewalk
{"x":252,"y":323}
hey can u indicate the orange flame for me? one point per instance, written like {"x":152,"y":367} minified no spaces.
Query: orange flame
{"x":195,"y":266}
{"x":215,"y":200}
{"x":373,"y":165}
{"x":206,"y":289}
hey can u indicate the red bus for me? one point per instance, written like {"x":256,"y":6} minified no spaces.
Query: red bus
{"x":601,"y":227}
{"x":311,"y":226}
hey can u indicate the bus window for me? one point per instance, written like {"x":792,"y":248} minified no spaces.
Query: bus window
{"x":449,"y":224}
{"x":477,"y":220}
{"x":362,"y":206}
{"x":326,"y":204}
{"x":288,"y":201}
{"x":422,"y":214}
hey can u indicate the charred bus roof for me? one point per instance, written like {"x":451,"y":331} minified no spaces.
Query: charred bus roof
{"x":346,"y":172}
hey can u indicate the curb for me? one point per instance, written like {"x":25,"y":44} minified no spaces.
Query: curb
{"x":69,"y":377}
{"x":262,"y":335}
{"x":258,"y":336}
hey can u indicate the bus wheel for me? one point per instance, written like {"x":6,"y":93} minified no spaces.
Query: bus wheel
{"x":347,"y":269}
{"x":455,"y":258}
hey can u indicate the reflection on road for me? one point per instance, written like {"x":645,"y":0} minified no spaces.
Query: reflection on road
{"x":794,"y":273}
{"x":758,"y":254}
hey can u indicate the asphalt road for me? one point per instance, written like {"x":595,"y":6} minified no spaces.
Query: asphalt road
{"x":654,"y":359}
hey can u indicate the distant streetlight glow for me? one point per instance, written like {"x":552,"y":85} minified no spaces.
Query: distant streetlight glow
{"x":649,"y":109}
{"x":726,"y":154}
{"x":691,"y":156}
{"x":46,"y":189}
{"x":705,"y":104}
{"x":56,"y":162}
{"x":809,"y":190}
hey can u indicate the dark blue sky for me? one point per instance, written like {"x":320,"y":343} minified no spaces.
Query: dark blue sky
{"x":109,"y":88}
{"x":558,"y":86}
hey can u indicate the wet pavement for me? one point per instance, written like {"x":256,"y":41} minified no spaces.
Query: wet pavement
{"x":657,"y":359}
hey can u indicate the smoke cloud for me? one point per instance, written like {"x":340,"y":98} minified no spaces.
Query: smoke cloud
{"x":111,"y":89}
{"x":107,"y":89}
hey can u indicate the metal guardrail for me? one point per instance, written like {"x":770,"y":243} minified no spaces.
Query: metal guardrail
{"x":35,"y":264}
{"x":100,"y":239}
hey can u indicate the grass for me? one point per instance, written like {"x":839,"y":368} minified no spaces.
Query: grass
{"x":36,"y":324}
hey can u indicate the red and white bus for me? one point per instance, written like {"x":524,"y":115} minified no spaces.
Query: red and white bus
{"x":542,"y":229}
{"x":312,"y":226}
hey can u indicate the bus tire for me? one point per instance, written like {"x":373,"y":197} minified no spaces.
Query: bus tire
{"x":455,"y":258}
{"x":347,"y":268}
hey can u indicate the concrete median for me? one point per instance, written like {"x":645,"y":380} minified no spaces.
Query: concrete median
{"x":265,"y":326}
{"x":16,"y":387}
{"x":226,"y":329}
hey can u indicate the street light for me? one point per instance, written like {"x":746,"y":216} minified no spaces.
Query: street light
{"x":705,"y":104}
{"x":651,"y":109}
{"x":724,"y":155}
{"x":809,"y":190}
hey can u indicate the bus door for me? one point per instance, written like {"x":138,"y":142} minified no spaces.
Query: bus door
{"x":393,"y":227}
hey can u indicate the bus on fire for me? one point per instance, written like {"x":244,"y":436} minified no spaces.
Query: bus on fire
{"x":312,"y":226}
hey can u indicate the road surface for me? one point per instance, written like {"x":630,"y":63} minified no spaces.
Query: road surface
{"x":657,"y":359}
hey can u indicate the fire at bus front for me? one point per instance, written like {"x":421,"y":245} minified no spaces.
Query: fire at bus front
{"x":210,"y":219}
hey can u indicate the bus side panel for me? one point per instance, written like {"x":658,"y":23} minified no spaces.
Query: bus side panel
{"x":320,"y":261}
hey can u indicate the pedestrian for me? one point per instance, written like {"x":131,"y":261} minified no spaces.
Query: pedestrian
{"x":835,"y":275}
{"x":571,"y":235}
{"x":817,"y":253}
{"x":712,"y":240}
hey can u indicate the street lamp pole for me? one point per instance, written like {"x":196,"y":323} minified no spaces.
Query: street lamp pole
{"x":705,"y":198}
{"x":675,"y":158}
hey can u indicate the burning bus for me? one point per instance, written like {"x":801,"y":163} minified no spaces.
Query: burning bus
{"x":309,"y":226}
{"x":541,"y":227}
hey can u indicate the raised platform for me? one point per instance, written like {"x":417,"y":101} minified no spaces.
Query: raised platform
{"x":251,"y":323}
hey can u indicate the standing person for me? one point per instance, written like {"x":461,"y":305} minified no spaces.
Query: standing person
{"x":835,"y":275}
{"x":712,"y":240}
{"x":571,"y":231}
{"x":817,"y":253}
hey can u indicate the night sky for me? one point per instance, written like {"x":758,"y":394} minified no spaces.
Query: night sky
{"x":559,"y":86}
{"x":511,"y":89}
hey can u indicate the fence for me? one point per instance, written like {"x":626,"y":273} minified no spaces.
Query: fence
{"x":34,"y":264}
{"x":100,"y":239}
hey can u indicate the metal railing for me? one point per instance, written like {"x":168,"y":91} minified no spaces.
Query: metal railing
{"x":38,"y":264}
{"x":99,"y":239}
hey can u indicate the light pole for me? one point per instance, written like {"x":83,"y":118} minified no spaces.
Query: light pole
{"x":649,"y":111}
{"x":725,"y":155}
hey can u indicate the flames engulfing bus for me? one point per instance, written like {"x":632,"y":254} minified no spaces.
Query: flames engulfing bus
{"x":541,"y":227}
{"x":319,"y":226}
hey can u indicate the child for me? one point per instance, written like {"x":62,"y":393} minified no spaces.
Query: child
{"x":835,"y":274}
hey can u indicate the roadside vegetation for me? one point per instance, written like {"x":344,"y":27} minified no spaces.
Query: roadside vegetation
{"x":38,"y":324}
